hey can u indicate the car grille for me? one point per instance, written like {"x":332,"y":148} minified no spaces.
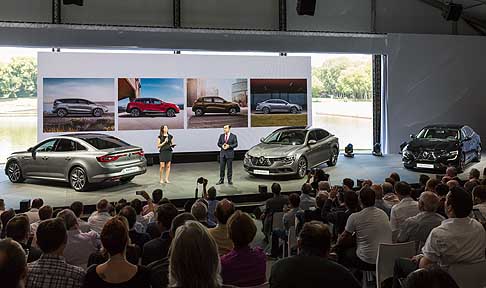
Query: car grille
{"x":264,"y":161}
{"x":425,"y":155}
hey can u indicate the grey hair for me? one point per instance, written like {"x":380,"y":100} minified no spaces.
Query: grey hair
{"x":324,"y":185}
{"x":429,"y":201}
{"x":199,"y":210}
{"x":69,"y":218}
{"x":193,"y":258}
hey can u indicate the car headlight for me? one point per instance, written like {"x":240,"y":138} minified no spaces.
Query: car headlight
{"x":289,"y":159}
{"x":451,"y":154}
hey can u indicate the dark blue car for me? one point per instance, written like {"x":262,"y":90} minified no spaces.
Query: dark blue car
{"x":440,"y":146}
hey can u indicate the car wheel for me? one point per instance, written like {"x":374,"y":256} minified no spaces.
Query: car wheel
{"x":301,"y":167}
{"x":135,"y":112}
{"x":62,"y":112}
{"x":334,"y":157}
{"x":293,"y":110}
{"x":199,"y":112}
{"x":478,"y":155}
{"x":126,"y":179}
{"x":14,"y":172}
{"x":266,"y":110}
{"x":78,"y":179}
{"x":171,"y":113}
{"x":232,"y":111}
{"x":97,"y":112}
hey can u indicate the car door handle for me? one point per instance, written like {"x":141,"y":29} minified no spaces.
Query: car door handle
{"x":68,"y":158}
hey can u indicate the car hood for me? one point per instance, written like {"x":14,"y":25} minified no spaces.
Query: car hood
{"x":432,"y":144}
{"x":273,"y":150}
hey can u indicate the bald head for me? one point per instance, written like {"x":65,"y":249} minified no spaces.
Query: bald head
{"x":429,"y":201}
{"x":224,"y":210}
{"x":378,"y":191}
{"x":451,"y":171}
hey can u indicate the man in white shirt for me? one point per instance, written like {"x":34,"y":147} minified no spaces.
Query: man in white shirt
{"x":407,"y":207}
{"x":99,"y":217}
{"x":459,"y":239}
{"x":33,"y":213}
{"x":306,"y":201}
{"x":370,"y":227}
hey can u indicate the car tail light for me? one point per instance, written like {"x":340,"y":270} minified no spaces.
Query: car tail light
{"x":109,"y":158}
{"x":141,"y":153}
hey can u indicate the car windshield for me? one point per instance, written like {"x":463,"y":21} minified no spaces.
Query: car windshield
{"x":439,"y":133}
{"x":286,"y":137}
{"x":105,"y":142}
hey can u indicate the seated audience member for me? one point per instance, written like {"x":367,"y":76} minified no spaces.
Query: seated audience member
{"x":348,"y":184}
{"x":212,"y":203}
{"x":19,"y":230}
{"x":451,"y":172}
{"x":311,"y":268}
{"x":2,"y":206}
{"x":79,"y":244}
{"x":243,"y":266}
{"x":158,"y":248}
{"x":403,"y":210}
{"x":338,"y":216}
{"x":445,"y":179}
{"x":157,"y":196}
{"x":453,"y":183}
{"x":77,"y":207}
{"x":389,"y":195}
{"x":200,"y":210}
{"x":51,"y":270}
{"x":159,"y":270}
{"x":306,"y":201}
{"x":33,"y":213}
{"x":316,"y":214}
{"x":45,"y":212}
{"x":433,"y":277}
{"x":417,"y":228}
{"x":323,"y":186}
{"x":99,"y":217}
{"x":118,"y":207}
{"x":13,"y":267}
{"x":152,"y":227}
{"x":370,"y":227}
{"x":431,"y":184}
{"x":423,"y":179}
{"x":223,"y":212}
{"x":272,"y":205}
{"x":479,"y":197}
{"x":474,"y":174}
{"x":459,"y":239}
{"x":5,"y":217}
{"x":288,"y":221}
{"x":469,"y":185}
{"x":441,"y":190}
{"x":116,"y":271}
{"x":194,"y":258}
{"x":395,"y":177}
{"x":379,"y":202}
{"x":391,"y":181}
{"x":143,"y":219}
{"x":136,"y":238}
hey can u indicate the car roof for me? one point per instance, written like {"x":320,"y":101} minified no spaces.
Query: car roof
{"x":293,"y":128}
{"x":85,"y":135}
{"x":450,"y":126}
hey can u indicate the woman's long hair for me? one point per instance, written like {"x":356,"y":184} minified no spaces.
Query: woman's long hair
{"x":161,"y":132}
{"x":193,"y":257}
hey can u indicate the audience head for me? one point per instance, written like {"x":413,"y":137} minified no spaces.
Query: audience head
{"x":324,"y":186}
{"x":69,"y":218}
{"x":387,"y":188}
{"x":130,"y":214}
{"x":52,"y":236}
{"x":378,"y":191}
{"x":18,"y":228}
{"x":5,"y":217}
{"x":119,"y":206}
{"x":194,"y":258}
{"x":445,"y":179}
{"x":348,"y":182}
{"x":474,"y":174}
{"x":367,"y":182}
{"x":314,"y":239}
{"x":402,"y":189}
{"x":423,"y":179}
{"x":451,"y":171}
{"x":103,"y":206}
{"x":13,"y":264}
{"x":395,"y":177}
{"x":200,"y":211}
{"x":2,"y":205}
{"x":45,"y":212}
{"x":276,"y":189}
{"x":441,"y":190}
{"x":479,"y":194}
{"x":431,"y":184}
{"x":165,"y":214}
{"x":114,"y":235}
{"x":433,"y":277}
{"x":351,"y":200}
{"x":391,"y":181}
{"x":306,"y":188}
{"x":458,"y":203}
{"x":157,"y":195}
{"x":367,"y":197}
{"x":241,"y":229}
{"x":294,"y":200}
{"x":469,"y":185}
{"x":452,"y":183}
{"x":55,"y":212}
{"x":224,"y":210}
{"x":321,"y":199}
{"x":212,"y":193}
{"x":180,"y":220}
{"x":137,"y":205}
{"x":428,"y":201}
{"x":37,"y":203}
{"x":77,"y":207}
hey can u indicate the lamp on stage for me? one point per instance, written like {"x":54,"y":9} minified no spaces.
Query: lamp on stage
{"x":348,"y":150}
{"x":377,"y":150}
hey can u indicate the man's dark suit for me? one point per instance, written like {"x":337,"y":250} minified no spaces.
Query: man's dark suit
{"x":226,"y":156}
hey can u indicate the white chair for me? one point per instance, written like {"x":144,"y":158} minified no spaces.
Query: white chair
{"x":385,"y":259}
{"x":469,"y":275}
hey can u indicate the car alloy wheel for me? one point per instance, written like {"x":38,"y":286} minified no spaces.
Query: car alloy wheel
{"x":77,"y":178}
{"x":232,"y":111}
{"x":293,"y":110}
{"x":199,"y":112}
{"x":170,"y":113}
{"x":302,"y":167}
{"x":14,"y":173}
{"x":334,"y":157}
{"x":135,"y":112}
{"x":266,"y":110}
{"x":61,"y":112}
{"x":97,"y":112}
{"x":462,"y":163}
{"x":478,"y":154}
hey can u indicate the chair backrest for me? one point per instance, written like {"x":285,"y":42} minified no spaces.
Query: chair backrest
{"x":292,"y":240}
{"x":387,"y":254}
{"x":469,"y":275}
{"x":277,"y":220}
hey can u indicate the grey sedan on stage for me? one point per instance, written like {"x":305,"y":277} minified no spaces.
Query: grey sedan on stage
{"x":79,"y":159}
{"x":278,"y":105}
{"x":292,"y":151}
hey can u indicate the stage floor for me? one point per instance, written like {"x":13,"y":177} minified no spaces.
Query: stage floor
{"x":184,"y":175}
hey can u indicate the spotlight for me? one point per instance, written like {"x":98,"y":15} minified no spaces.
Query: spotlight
{"x":452,"y":12}
{"x":348,"y":150}
{"x":377,"y":150}
{"x":306,"y":7}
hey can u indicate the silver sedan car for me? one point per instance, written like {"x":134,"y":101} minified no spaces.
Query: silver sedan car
{"x":79,"y":159}
{"x":292,"y":151}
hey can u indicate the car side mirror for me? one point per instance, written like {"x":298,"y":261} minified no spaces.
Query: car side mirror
{"x":311,"y":142}
{"x":30,"y":149}
{"x":262,"y":140}
{"x":412,"y":136}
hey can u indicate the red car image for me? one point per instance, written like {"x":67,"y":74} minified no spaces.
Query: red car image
{"x":141,"y":106}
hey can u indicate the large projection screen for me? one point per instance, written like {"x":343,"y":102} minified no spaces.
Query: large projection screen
{"x":87,"y":83}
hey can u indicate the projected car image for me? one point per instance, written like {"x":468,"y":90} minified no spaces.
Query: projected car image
{"x":440,"y":146}
{"x":142,"y":106}
{"x":82,"y":160}
{"x":205,"y":105}
{"x":277,"y":106}
{"x":63,"y":107}
{"x":292,"y":151}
